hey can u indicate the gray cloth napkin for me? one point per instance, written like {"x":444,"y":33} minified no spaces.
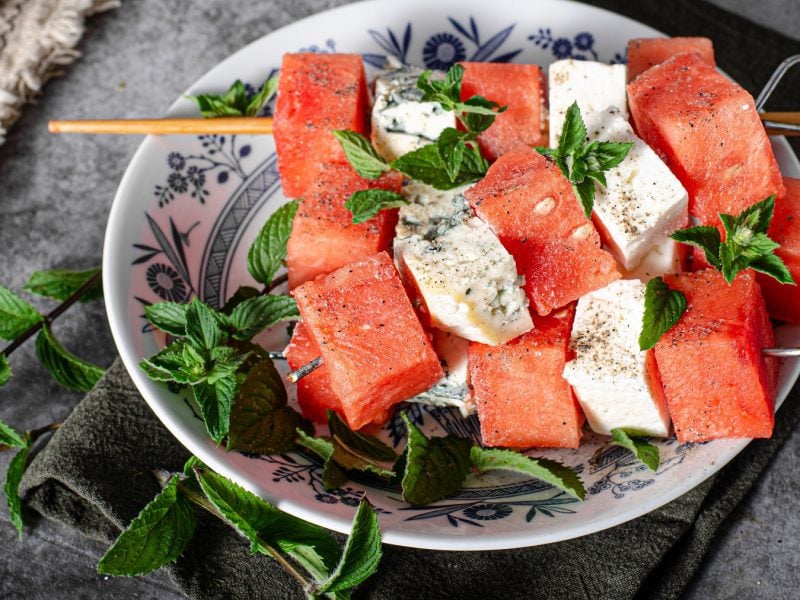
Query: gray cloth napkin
{"x":95,"y":473}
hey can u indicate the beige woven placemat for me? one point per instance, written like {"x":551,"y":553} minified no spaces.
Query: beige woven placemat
{"x":37,"y":39}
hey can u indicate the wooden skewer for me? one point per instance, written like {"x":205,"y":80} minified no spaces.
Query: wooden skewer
{"x":263,"y":125}
{"x":227,"y":125}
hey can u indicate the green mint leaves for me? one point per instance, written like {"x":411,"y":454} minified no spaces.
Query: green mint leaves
{"x":253,"y":315}
{"x":9,"y":437}
{"x":435,"y":467}
{"x":5,"y":370}
{"x":16,"y":315}
{"x":66,"y":368}
{"x":268,"y":251}
{"x":583,"y":163}
{"x":746,"y":245}
{"x":12,"y":439}
{"x":360,"y":154}
{"x":643,"y":450}
{"x":61,"y":284}
{"x":366,"y":204}
{"x":169,"y":317}
{"x":549,"y":471}
{"x":156,"y":537}
{"x":663,"y":308}
{"x":236,"y":102}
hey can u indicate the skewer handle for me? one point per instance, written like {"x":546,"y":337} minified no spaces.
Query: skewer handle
{"x":782,"y":352}
{"x":220,"y":125}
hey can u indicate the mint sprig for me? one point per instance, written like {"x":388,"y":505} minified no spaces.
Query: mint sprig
{"x":5,"y":370}
{"x":16,"y":468}
{"x":641,"y":448}
{"x":169,"y":317}
{"x":235,"y":102}
{"x":435,"y":468}
{"x":67,"y":369}
{"x":254,"y":315}
{"x":360,"y":153}
{"x":16,"y":315}
{"x":268,"y":251}
{"x":61,"y":284}
{"x":746,"y":245}
{"x":549,"y":471}
{"x":332,"y":474}
{"x":582,"y":162}
{"x":366,"y":204}
{"x":663,"y":308}
{"x":154,"y":538}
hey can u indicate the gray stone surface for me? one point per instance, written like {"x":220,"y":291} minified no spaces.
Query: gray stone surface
{"x":56,"y":193}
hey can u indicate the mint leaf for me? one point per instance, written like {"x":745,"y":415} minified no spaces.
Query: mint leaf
{"x":332,"y":475}
{"x":365,"y":204}
{"x":257,"y":102}
{"x":225,"y":361}
{"x":191,"y":463}
{"x":9,"y":437}
{"x":61,"y":284}
{"x":255,"y":314}
{"x":266,"y":527}
{"x":179,"y":362}
{"x":203,"y":325}
{"x":425,"y":164}
{"x":66,"y":368}
{"x":233,"y":103}
{"x":241,"y":294}
{"x":5,"y":370}
{"x":360,"y":154}
{"x":435,"y":468}
{"x":215,"y":402}
{"x":773,"y":266}
{"x":11,"y":487}
{"x":451,"y":146}
{"x":756,"y":217}
{"x":704,"y":237}
{"x":268,"y":251}
{"x":663,"y":308}
{"x":367,"y":445}
{"x":362,"y":552}
{"x":156,"y":537}
{"x":16,"y":315}
{"x":478,"y":113}
{"x":643,"y":450}
{"x":261,"y":422}
{"x":582,"y":162}
{"x":446,"y":92}
{"x":549,"y":471}
{"x":169,"y":317}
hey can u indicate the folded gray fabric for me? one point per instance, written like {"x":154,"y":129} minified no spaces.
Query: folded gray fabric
{"x":96,"y":475}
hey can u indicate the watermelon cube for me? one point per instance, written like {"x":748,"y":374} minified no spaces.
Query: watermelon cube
{"x":324,"y":237}
{"x":520,"y":88}
{"x":644,"y":53}
{"x":314,"y":394}
{"x":317,"y":93}
{"x":717,"y":382}
{"x":783,"y":301}
{"x":373,"y":347}
{"x":707,"y":130}
{"x":532,"y":208}
{"x":522,"y":398}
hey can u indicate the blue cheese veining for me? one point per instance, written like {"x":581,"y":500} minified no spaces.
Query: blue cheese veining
{"x":400,"y":121}
{"x":468,"y":280}
{"x":452,"y":389}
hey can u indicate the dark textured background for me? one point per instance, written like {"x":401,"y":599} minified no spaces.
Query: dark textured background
{"x":54,"y":201}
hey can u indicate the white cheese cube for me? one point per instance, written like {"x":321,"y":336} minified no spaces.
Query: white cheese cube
{"x":467,"y":279}
{"x":400,"y":121}
{"x":594,"y":85}
{"x":643,"y":202}
{"x":452,"y":389}
{"x":666,"y":257}
{"x":615,"y":383}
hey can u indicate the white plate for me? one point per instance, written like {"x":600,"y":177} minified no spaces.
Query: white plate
{"x":188,"y":207}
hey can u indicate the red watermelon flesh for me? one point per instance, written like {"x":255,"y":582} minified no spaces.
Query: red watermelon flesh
{"x":314,"y":392}
{"x":523,"y":399}
{"x":374,"y":348}
{"x":531,"y":207}
{"x":783,"y":301}
{"x":317,"y":93}
{"x":644,"y":53}
{"x":520,"y":88}
{"x":324,"y":237}
{"x":717,"y":382}
{"x":707,"y":130}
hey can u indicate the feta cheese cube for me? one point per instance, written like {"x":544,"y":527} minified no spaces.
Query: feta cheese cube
{"x":616,"y":384}
{"x":594,"y":85}
{"x":666,"y":257}
{"x":467,"y":279}
{"x":400,"y":121}
{"x":643,"y":202}
{"x":452,"y":389}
